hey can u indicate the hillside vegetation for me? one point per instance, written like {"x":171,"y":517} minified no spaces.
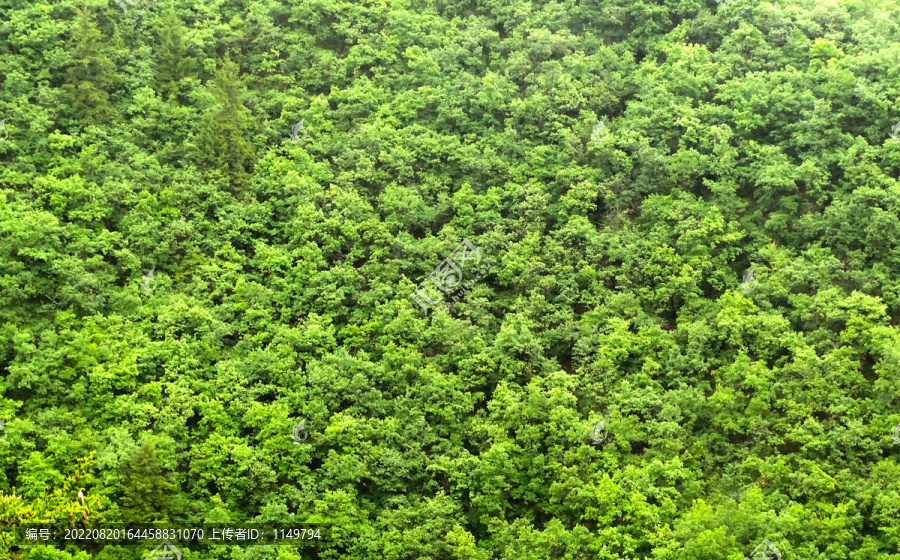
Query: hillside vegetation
{"x":215,"y":217}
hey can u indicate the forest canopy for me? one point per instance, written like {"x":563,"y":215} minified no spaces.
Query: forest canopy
{"x":456,"y":279}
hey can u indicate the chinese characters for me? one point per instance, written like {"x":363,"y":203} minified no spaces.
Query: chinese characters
{"x":448,"y":276}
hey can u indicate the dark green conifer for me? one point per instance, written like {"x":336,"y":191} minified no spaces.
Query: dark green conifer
{"x":174,"y":62}
{"x":149,"y":492}
{"x":221,"y":143}
{"x":89,"y":74}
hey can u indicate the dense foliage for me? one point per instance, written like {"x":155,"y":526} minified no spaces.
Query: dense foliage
{"x":283,"y":267}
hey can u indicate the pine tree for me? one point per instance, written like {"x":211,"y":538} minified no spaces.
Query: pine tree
{"x":221,"y":141}
{"x":174,"y":62}
{"x":149,"y":494}
{"x":90,"y":71}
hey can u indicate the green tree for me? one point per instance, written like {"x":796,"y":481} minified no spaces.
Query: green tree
{"x":46,"y":502}
{"x":90,"y":72}
{"x":174,"y":62}
{"x":149,"y":491}
{"x":221,"y":142}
